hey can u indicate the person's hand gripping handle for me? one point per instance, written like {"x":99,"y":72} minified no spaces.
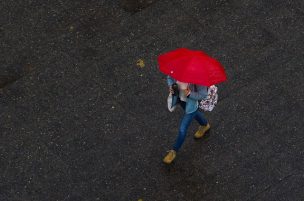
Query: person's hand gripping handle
{"x":187,"y":91}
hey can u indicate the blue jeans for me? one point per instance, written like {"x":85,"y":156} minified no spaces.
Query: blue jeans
{"x":185,"y":123}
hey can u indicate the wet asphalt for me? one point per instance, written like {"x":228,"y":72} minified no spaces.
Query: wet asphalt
{"x":83,"y":104}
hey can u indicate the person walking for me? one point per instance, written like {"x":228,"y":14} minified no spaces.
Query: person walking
{"x":187,"y":95}
{"x":189,"y":74}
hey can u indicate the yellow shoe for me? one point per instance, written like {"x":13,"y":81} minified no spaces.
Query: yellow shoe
{"x":201,"y":131}
{"x":169,"y":157}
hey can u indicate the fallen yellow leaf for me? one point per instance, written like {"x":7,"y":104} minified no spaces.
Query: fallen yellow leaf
{"x":71,"y":28}
{"x":140,"y":63}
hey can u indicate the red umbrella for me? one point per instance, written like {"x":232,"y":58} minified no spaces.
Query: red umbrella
{"x":192,"y":66}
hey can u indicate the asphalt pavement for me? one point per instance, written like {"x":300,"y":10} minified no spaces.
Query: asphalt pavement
{"x":83,"y":104}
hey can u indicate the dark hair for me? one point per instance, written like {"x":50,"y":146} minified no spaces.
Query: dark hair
{"x":175,"y":89}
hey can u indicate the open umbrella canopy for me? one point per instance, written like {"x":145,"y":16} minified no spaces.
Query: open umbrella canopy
{"x":192,"y":66}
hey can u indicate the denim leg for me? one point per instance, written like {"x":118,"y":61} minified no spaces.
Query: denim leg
{"x":200,"y":118}
{"x":185,"y":122}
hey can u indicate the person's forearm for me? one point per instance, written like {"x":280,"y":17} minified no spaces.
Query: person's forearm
{"x":195,"y":96}
{"x":202,"y":94}
{"x":170,"y":80}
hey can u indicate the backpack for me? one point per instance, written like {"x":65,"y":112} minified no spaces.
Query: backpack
{"x":210,"y":102}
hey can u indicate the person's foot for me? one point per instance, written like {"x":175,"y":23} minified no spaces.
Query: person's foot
{"x":169,"y":157}
{"x":201,"y":131}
